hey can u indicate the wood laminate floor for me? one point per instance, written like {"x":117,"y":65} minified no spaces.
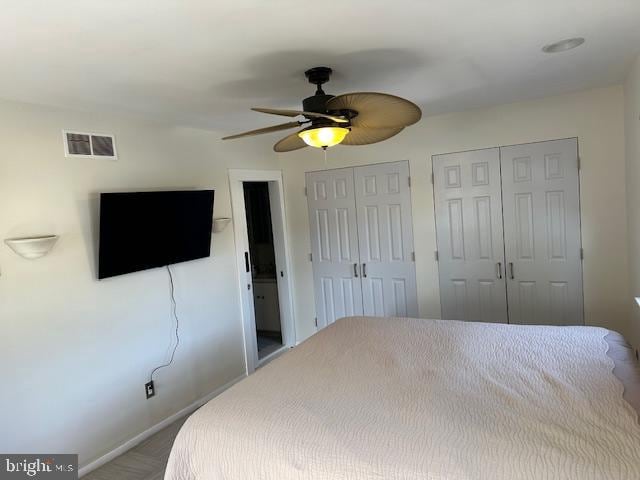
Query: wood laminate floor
{"x":146,"y":461}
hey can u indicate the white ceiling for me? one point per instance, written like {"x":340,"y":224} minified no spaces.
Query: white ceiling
{"x":205,"y":62}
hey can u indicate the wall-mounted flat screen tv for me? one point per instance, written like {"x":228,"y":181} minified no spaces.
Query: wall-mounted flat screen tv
{"x":145,"y":230}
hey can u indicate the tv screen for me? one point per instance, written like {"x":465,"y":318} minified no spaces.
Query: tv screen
{"x":145,"y":230}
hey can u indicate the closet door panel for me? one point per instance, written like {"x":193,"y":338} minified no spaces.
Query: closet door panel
{"x":542,"y":232}
{"x":385,"y":232}
{"x":334,"y":244}
{"x":468,"y":208}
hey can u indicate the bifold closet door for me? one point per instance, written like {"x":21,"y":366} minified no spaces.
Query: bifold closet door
{"x":468,"y":208}
{"x":385,"y":233}
{"x":334,"y":244}
{"x":542,"y":232}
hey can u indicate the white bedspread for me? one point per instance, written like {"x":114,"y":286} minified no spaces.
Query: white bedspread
{"x":390,"y":398}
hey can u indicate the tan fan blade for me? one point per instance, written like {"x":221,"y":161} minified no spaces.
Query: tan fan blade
{"x":289,"y":143}
{"x":366,"y":136}
{"x":295,"y":113}
{"x":260,"y":131}
{"x":377,"y":110}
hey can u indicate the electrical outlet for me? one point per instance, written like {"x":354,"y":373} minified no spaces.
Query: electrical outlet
{"x":149,"y":389}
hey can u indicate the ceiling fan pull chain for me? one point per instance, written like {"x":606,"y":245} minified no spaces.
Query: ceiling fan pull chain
{"x":325,"y":158}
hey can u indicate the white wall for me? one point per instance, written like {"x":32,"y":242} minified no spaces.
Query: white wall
{"x":595,"y":117}
{"x":76,"y":352}
{"x":632,"y":137}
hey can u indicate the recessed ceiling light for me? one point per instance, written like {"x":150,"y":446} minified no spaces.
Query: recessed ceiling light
{"x":563,"y":45}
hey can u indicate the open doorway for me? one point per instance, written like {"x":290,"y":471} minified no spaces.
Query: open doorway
{"x":264,"y":274}
{"x":263,"y":261}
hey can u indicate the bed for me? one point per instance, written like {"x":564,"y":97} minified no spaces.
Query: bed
{"x":399,"y":398}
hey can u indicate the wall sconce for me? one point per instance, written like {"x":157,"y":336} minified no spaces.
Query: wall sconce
{"x":32,"y":247}
{"x":219,"y":224}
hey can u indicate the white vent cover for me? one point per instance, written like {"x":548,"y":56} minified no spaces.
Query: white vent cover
{"x":89,"y":145}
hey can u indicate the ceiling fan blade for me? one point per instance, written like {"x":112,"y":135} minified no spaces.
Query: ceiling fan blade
{"x":367,"y":136}
{"x":295,"y":113}
{"x":289,"y":143}
{"x":260,"y":131}
{"x":377,"y":110}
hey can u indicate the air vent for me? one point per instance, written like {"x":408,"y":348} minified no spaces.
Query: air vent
{"x":89,"y":145}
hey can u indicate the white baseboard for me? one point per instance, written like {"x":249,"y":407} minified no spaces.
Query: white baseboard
{"x":129,"y":444}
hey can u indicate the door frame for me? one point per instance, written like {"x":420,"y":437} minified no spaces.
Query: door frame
{"x":281,"y":244}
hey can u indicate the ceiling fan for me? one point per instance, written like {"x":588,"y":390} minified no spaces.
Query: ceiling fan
{"x":359,"y":118}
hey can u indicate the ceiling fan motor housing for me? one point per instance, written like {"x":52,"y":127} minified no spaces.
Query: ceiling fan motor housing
{"x":316,"y":103}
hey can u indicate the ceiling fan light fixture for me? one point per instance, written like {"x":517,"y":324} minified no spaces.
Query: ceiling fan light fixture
{"x":323,"y":137}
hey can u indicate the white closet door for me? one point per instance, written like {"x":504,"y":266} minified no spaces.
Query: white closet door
{"x":385,"y":233}
{"x":334,"y":244}
{"x":542,"y":232}
{"x":469,"y":234}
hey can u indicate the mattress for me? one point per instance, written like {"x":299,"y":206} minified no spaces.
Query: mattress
{"x":397,"y":398}
{"x":626,"y":368}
